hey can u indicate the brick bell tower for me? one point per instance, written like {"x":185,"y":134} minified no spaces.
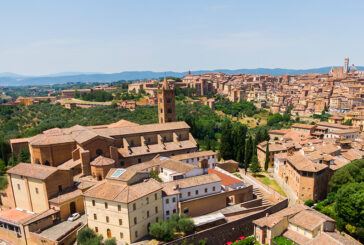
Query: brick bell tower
{"x":166,"y":103}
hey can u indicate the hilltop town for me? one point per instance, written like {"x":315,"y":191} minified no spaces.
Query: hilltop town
{"x":228,"y":159}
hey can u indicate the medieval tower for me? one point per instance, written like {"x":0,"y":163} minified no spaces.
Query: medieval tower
{"x":346,"y":65}
{"x":166,"y":103}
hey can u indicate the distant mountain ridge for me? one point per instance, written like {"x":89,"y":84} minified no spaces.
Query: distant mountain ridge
{"x":11,"y":79}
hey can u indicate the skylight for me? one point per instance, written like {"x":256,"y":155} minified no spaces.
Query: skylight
{"x":118,"y":172}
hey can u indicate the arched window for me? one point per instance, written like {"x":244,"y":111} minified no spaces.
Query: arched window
{"x":46,"y":163}
{"x":108,"y":233}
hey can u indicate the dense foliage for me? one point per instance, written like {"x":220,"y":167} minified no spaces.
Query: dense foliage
{"x":345,"y":203}
{"x":87,"y":236}
{"x":165,"y":230}
{"x":98,"y":96}
{"x":234,"y":109}
{"x":281,"y":240}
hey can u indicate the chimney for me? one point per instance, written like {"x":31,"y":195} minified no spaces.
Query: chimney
{"x":85,"y":162}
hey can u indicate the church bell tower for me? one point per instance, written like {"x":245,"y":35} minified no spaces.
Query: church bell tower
{"x":166,"y":103}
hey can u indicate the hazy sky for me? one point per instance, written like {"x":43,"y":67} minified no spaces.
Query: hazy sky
{"x":42,"y":37}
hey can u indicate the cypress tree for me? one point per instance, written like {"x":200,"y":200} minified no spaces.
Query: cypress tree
{"x":248,"y":152}
{"x":226,"y":147}
{"x":255,"y":166}
{"x":266,"y":163}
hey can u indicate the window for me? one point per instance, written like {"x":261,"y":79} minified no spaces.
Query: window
{"x":147,"y":200}
{"x":213,"y":188}
{"x":136,"y":234}
{"x":189,"y":193}
{"x":18,"y":186}
{"x":196,"y":192}
{"x":167,"y":213}
{"x":298,"y":229}
{"x":173,"y":199}
{"x":121,"y":235}
{"x":60,"y":188}
{"x":98,"y":152}
{"x":186,"y":210}
{"x":169,"y":111}
{"x":93,"y":202}
{"x":134,"y":206}
{"x":120,"y":221}
{"x":155,"y":196}
{"x":95,"y":216}
{"x":139,"y":160}
{"x":156,"y":209}
{"x":36,"y":190}
{"x":160,"y":100}
{"x":122,"y":163}
{"x":205,"y":190}
{"x":107,"y":219}
{"x":106,"y":205}
{"x":147,"y":214}
{"x":135,"y":220}
{"x":174,"y":211}
{"x":96,"y":229}
{"x":168,"y":100}
{"x":167,"y":201}
{"x":119,"y":207}
{"x":180,"y":195}
{"x":156,"y":219}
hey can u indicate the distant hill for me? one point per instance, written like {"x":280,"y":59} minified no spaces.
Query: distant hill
{"x":11,"y":79}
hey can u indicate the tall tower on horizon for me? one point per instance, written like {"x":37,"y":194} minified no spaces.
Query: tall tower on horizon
{"x":346,"y":64}
{"x":166,"y":103}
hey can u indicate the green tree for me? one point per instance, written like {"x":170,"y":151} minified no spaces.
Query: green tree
{"x":248,"y":152}
{"x":86,"y":236}
{"x":110,"y":241}
{"x":185,"y":225}
{"x":350,"y":203}
{"x":2,"y":167}
{"x":77,"y":94}
{"x":162,"y":231}
{"x":255,"y":166}
{"x":226,"y":147}
{"x":309,"y":202}
{"x":12,"y":160}
{"x":266,"y":163}
{"x":352,"y":172}
{"x":24,"y":155}
{"x":348,"y":122}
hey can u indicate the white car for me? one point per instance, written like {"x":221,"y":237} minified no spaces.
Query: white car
{"x":73,"y":217}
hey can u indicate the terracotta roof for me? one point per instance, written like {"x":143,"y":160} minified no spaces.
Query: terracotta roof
{"x":302,"y":125}
{"x":273,"y":219}
{"x":302,"y":163}
{"x":193,"y":155}
{"x":169,"y":187}
{"x":295,"y":237}
{"x":69,"y":164}
{"x":15,"y":216}
{"x":226,"y":180}
{"x":102,"y":161}
{"x":35,"y":171}
{"x":121,"y":192}
{"x":66,"y":195}
{"x":19,"y":140}
{"x":309,"y":219}
{"x":122,"y":123}
{"x":332,"y":238}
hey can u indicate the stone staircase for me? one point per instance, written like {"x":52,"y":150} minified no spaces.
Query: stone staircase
{"x":258,"y":194}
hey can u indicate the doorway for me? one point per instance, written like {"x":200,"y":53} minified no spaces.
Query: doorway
{"x":73,"y":207}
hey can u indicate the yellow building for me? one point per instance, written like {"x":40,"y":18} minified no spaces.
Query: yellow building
{"x":123,"y":205}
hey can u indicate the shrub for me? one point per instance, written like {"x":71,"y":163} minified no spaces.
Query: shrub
{"x":87,"y":236}
{"x":309,"y":203}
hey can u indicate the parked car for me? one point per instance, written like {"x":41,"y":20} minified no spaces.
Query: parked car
{"x":73,"y":217}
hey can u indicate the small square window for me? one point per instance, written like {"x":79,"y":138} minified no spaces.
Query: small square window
{"x":96,"y":229}
{"x":107,"y":219}
{"x":155,"y":196}
{"x":167,"y":212}
{"x":93,"y":202}
{"x":120,"y":221}
{"x":106,"y":205}
{"x":156,"y":209}
{"x":95,"y":216}
{"x":135,"y":221}
{"x":173,"y":199}
{"x":167,"y":201}
{"x":205,"y":190}
{"x":121,"y":235}
{"x":196,"y":192}
{"x":119,"y":207}
{"x":36,"y":190}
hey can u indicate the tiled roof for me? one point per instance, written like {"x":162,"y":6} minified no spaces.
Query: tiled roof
{"x":121,"y":192}
{"x":309,"y":219}
{"x":302,"y":163}
{"x":170,"y":187}
{"x":102,"y":161}
{"x":226,"y":180}
{"x":15,"y":216}
{"x":193,"y":155}
{"x":35,"y":171}
{"x":295,"y":237}
{"x":332,"y":238}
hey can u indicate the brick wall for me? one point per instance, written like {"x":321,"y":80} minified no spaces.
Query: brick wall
{"x":230,"y":231}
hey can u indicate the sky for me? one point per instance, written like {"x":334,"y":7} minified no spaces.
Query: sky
{"x":46,"y":37}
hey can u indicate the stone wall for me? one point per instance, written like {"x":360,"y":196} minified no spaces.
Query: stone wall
{"x":224,"y":233}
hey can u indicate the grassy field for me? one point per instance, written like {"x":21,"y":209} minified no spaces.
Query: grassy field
{"x":271,"y":183}
{"x":259,"y":119}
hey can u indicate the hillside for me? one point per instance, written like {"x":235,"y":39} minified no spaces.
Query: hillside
{"x":10,"y":79}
